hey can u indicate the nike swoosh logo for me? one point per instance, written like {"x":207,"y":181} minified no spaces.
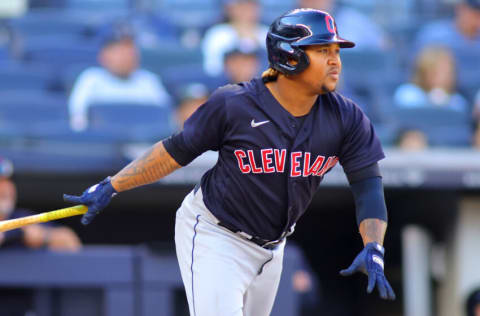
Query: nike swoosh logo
{"x":256,"y":124}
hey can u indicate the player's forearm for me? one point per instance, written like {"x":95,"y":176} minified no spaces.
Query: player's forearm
{"x":373,"y":230}
{"x":150,"y":167}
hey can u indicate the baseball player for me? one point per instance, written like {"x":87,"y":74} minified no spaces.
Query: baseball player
{"x":277,"y":136}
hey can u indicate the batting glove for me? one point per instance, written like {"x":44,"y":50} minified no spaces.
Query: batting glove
{"x":370,"y":262}
{"x":96,"y":198}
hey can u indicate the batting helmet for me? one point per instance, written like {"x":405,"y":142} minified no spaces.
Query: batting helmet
{"x":289,"y":33}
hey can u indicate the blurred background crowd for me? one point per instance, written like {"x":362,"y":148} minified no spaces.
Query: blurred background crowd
{"x":78,"y":78}
{"x":65,"y":63}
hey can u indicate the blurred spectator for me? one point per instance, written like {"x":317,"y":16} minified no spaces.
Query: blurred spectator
{"x":412,"y":140}
{"x":354,"y":25}
{"x":461,"y":32}
{"x":433,"y":82}
{"x":190,"y":98}
{"x":13,"y":8}
{"x":472,"y":306}
{"x":119,"y":78}
{"x":305,"y":282}
{"x":241,"y":64}
{"x":56,"y":238}
{"x":462,"y":35}
{"x":242,"y":27}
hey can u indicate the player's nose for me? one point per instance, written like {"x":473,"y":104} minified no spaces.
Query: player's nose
{"x":334,"y":60}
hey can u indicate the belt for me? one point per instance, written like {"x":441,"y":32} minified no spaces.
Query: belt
{"x":264,"y":243}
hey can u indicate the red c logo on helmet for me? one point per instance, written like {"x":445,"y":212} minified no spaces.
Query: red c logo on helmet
{"x":330,"y":24}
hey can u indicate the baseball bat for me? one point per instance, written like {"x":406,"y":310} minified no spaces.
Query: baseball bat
{"x":42,"y":217}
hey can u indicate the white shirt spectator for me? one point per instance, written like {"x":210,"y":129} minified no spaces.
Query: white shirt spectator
{"x":223,"y":38}
{"x":97,"y":85}
{"x":409,"y":95}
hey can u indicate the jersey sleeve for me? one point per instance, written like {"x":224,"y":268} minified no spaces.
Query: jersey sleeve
{"x":361,"y":146}
{"x":204,"y":130}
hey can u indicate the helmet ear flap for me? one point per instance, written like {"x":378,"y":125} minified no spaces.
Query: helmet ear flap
{"x":286,"y":47}
{"x":302,"y":61}
{"x":287,"y":55}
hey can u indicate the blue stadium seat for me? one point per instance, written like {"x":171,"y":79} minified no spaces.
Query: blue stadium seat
{"x":53,"y":22}
{"x":443,"y":127}
{"x":368,"y":67}
{"x":4,"y":53}
{"x":468,"y":66}
{"x":175,"y":77}
{"x":59,"y":52}
{"x":191,"y":14}
{"x":153,"y":30}
{"x":370,"y":75}
{"x":129,"y":122}
{"x":170,"y":54}
{"x":33,"y":114}
{"x":99,"y":5}
{"x":15,"y":75}
{"x":271,"y":9}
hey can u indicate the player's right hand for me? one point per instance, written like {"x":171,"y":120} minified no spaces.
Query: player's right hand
{"x":96,"y":198}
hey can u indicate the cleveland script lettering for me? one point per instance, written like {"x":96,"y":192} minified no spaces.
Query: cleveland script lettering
{"x":273,"y":160}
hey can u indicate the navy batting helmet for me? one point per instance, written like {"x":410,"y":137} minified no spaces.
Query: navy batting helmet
{"x":296,"y":29}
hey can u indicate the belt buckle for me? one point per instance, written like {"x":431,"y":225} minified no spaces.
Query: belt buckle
{"x":271,"y":244}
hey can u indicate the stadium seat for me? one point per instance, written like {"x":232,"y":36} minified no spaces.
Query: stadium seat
{"x":191,"y":14}
{"x":443,"y":127}
{"x":59,"y":52}
{"x":169,"y":55}
{"x":368,"y":67}
{"x":96,"y":5}
{"x":4,"y":53}
{"x":33,"y":114}
{"x":53,"y":22}
{"x":15,"y":75}
{"x":176,"y":77}
{"x":129,"y":122}
{"x":271,"y":9}
{"x":468,"y":67}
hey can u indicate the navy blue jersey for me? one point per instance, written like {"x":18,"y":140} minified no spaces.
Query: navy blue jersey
{"x":271,"y":163}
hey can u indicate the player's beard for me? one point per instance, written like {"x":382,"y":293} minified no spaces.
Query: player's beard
{"x":325,"y":89}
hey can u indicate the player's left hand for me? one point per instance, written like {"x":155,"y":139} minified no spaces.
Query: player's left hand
{"x":370,"y":262}
{"x":96,"y":198}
